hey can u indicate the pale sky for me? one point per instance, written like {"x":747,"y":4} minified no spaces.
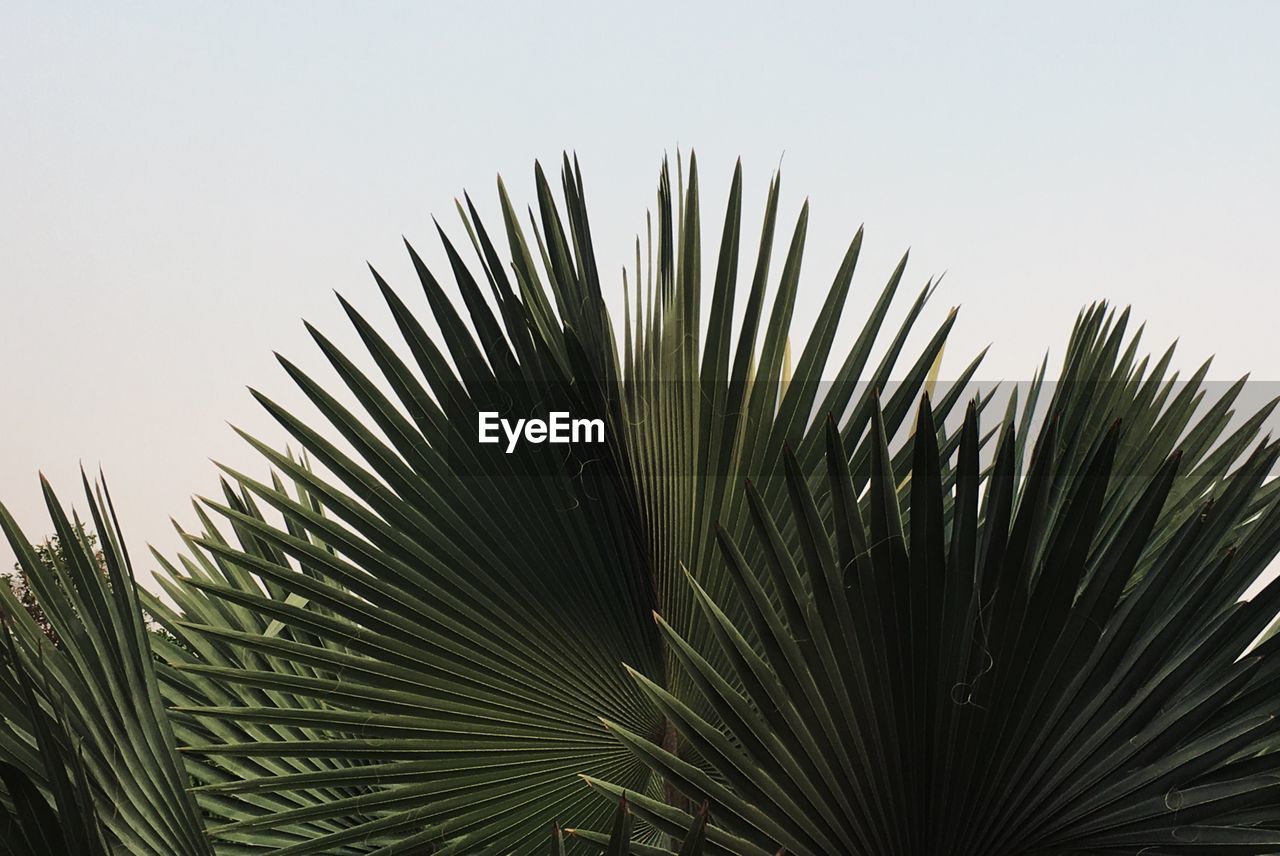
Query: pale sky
{"x":182,"y":183}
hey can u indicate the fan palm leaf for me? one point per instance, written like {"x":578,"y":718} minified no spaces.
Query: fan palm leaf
{"x":89,"y":710}
{"x":401,"y":641}
{"x":988,"y":682}
{"x":474,"y":669}
{"x":467,"y":613}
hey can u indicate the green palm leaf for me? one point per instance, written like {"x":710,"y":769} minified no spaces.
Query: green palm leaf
{"x":465,"y":615}
{"x":981,"y":682}
{"x":410,"y":646}
{"x":89,"y":710}
{"x":473,"y":669}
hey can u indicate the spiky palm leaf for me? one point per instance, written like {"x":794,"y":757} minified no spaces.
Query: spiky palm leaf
{"x":981,"y":683}
{"x":464,"y":616}
{"x":89,"y":711}
{"x":619,"y":841}
{"x":417,"y":656}
{"x":473,"y":669}
{"x":33,"y":825}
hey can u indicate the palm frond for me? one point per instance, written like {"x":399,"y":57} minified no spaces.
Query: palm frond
{"x":987,"y":682}
{"x":89,"y":711}
{"x":465,"y":613}
{"x":878,"y":634}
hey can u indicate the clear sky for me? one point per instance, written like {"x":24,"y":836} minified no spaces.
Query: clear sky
{"x":181,"y":183}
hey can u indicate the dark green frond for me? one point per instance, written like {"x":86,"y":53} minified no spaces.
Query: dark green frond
{"x":1000,"y":688}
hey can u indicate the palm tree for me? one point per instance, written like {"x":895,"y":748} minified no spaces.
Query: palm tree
{"x":402,"y":642}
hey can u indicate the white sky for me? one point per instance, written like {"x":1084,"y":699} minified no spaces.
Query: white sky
{"x":181,"y":183}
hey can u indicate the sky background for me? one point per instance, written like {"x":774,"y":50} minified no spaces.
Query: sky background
{"x":182,"y":183}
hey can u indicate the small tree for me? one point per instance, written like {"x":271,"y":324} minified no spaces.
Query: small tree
{"x":52,"y":554}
